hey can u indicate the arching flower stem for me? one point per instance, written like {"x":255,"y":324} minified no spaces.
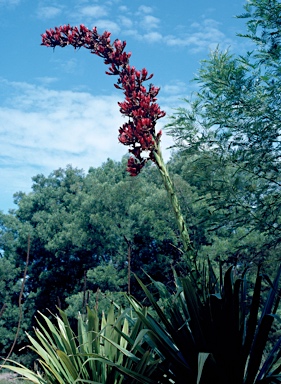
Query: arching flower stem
{"x":139,"y":106}
{"x":169,"y":186}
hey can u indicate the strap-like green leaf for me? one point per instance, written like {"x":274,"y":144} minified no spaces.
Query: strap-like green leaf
{"x":68,"y":364}
{"x":33,"y":377}
{"x":202,"y":357}
{"x":258,"y":348}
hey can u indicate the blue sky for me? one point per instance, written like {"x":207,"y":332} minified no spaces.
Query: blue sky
{"x":58,"y":107}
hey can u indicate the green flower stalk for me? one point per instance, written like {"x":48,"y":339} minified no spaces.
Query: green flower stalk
{"x":174,"y":200}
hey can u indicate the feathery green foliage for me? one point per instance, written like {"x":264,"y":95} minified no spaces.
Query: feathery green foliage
{"x":229,"y":135}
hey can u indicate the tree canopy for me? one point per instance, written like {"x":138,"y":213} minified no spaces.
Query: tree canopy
{"x":229,"y":134}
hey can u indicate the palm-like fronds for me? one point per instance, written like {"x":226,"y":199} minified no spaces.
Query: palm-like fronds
{"x":215,"y":331}
{"x":218,"y":331}
{"x":102,"y":352}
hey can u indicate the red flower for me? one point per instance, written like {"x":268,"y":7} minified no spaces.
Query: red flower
{"x":140,"y":103}
{"x":134,"y":165}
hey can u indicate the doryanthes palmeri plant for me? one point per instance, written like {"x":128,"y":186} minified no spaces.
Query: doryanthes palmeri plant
{"x":101,"y":352}
{"x":219,"y":332}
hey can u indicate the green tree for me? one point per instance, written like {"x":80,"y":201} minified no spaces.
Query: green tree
{"x":229,"y":136}
{"x":85,"y":222}
{"x":16,"y":310}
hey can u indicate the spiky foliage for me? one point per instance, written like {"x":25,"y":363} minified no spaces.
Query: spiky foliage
{"x":218,"y":331}
{"x":102,"y":352}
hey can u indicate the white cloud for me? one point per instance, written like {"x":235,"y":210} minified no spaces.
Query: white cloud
{"x":133,"y":32}
{"x":150,"y":22}
{"x":69,"y":65}
{"x":145,"y":9}
{"x":88,"y":14}
{"x":93,"y":11}
{"x":172,"y":95}
{"x":43,"y":129}
{"x":175,"y":88}
{"x":152,"y":37}
{"x":125,"y":21}
{"x":47,"y":80}
{"x":200,"y":36}
{"x":62,"y":124}
{"x":107,"y":25}
{"x":123,"y":8}
{"x":48,"y":12}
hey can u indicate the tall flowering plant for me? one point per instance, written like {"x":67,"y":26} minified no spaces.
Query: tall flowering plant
{"x":140,"y":106}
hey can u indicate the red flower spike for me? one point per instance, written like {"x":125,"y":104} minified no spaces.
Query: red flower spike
{"x":134,"y":166}
{"x":139,"y":105}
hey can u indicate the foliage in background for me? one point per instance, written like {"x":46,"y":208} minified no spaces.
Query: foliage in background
{"x":10,"y":288}
{"x":229,"y":138}
{"x":78,"y":224}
